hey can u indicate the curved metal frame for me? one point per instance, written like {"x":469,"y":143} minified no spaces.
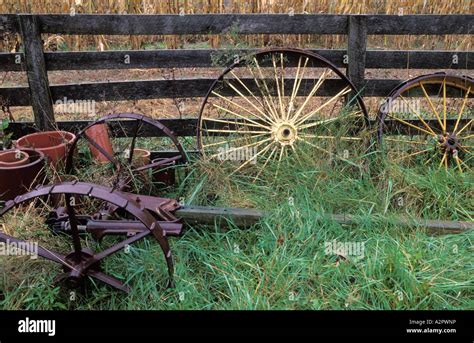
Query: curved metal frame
{"x":118,"y":167}
{"x":462,"y":82}
{"x":309,"y":54}
{"x":82,"y":262}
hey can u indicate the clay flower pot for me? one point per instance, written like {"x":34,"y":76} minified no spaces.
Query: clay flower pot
{"x":13,"y":158}
{"x":54,"y":144}
{"x":18,"y":179}
{"x":100,"y":134}
{"x":141,"y":157}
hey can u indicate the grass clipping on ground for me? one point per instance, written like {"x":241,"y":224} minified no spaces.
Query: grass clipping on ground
{"x":297,"y":257}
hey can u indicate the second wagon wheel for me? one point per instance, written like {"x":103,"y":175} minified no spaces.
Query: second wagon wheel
{"x":429,"y":120}
{"x":280,"y":102}
{"x":123,"y":159}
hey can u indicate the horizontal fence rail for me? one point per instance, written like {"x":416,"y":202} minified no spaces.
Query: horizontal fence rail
{"x":356,"y":58}
{"x":203,"y":58}
{"x":114,"y":24}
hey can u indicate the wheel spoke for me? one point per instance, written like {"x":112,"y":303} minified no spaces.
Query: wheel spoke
{"x":250,"y":122}
{"x":282,"y":72}
{"x":462,"y":109}
{"x":232,"y":140}
{"x":270,"y":98}
{"x":235,"y":131}
{"x":413,"y":154}
{"x":253,"y":157}
{"x":310,"y":114}
{"x":258,"y":143}
{"x":443,"y":127}
{"x":325,"y":121}
{"x":411,"y":125}
{"x":311,"y":93}
{"x":264,"y":97}
{"x":444,"y":103}
{"x":444,"y":158}
{"x":278,"y":86}
{"x":268,"y":120}
{"x":266,"y":161}
{"x":296,"y":85}
{"x":458,"y":162}
{"x":464,"y":127}
{"x":418,"y":115}
{"x":406,"y":141}
{"x":332,"y":137}
{"x":245,"y":98}
{"x":329,"y":153}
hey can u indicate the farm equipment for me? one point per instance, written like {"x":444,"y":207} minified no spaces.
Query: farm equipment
{"x":276,"y":101}
{"x":429,"y":118}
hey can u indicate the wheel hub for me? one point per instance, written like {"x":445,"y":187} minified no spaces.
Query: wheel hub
{"x":284,"y":133}
{"x":449,"y":142}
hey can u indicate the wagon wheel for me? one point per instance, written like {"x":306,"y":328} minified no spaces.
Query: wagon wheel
{"x":428,"y":120}
{"x":280,"y":102}
{"x":129,"y":133}
{"x":80,"y":198}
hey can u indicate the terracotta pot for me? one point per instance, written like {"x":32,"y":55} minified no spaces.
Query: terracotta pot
{"x":167,"y":177}
{"x":13,"y":158}
{"x":141,"y":157}
{"x":19,"y":179}
{"x":100,"y":134}
{"x":54,"y":144}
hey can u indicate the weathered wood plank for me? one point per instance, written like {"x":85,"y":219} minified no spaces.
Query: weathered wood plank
{"x":111,"y":24}
{"x":242,"y":23}
{"x":40,"y":96}
{"x":202,"y":58}
{"x":195,"y":215}
{"x":413,"y":24}
{"x":418,"y":59}
{"x":9,"y":23}
{"x":182,"y":58}
{"x":206,"y":215}
{"x":180,"y":88}
{"x":357,"y":44}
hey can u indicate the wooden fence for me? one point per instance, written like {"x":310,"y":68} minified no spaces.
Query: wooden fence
{"x":41,"y":96}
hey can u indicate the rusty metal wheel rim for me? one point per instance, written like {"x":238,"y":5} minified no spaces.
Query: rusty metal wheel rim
{"x":121,"y":181}
{"x":76,"y":265}
{"x":277,"y":117}
{"x":438,"y":131}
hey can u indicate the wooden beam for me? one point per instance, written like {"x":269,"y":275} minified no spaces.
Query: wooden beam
{"x":171,"y":24}
{"x":204,"y":215}
{"x":39,"y":92}
{"x":356,"y":50}
{"x":114,"y":24}
{"x":9,"y":23}
{"x":158,"y":89}
{"x":202,"y":58}
{"x":420,"y":24}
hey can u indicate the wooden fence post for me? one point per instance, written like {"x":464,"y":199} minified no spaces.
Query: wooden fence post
{"x":40,"y":94}
{"x":356,"y":49}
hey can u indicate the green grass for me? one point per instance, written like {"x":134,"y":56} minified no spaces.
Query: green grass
{"x":281,"y":263}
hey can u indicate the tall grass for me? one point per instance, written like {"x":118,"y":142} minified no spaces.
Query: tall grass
{"x":281,"y":262}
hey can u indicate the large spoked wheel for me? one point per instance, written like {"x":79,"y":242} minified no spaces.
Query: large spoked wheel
{"x":428,"y":120}
{"x":276,"y":103}
{"x":123,"y":157}
{"x":78,"y":199}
